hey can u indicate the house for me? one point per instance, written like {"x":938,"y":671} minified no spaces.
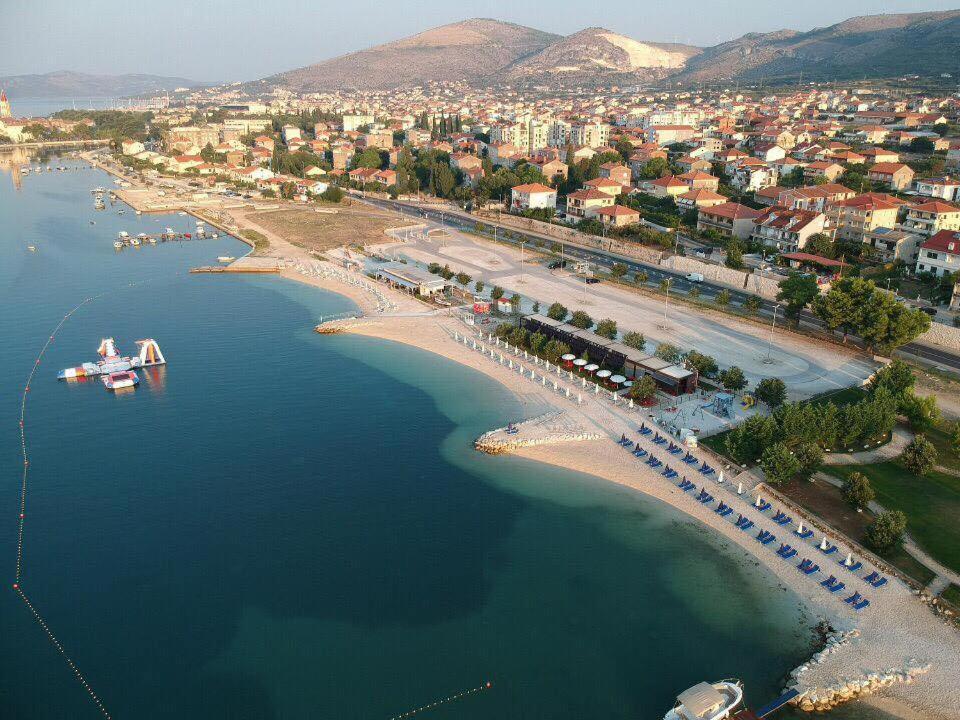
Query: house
{"x":264,"y":141}
{"x":261,"y":155}
{"x":698,"y":180}
{"x":618,"y":216}
{"x":769,"y":152}
{"x":182,"y":163}
{"x":313,"y":171}
{"x":754,"y":176}
{"x":879,"y":155}
{"x":940,"y":254}
{"x":853,"y":219}
{"x":553,"y":168}
{"x":696,"y":199}
{"x":929,"y":218}
{"x":291,"y":132}
{"x":586,"y":203}
{"x":945,"y":188}
{"x":669,"y":186}
{"x":893,"y":244}
{"x":465,"y":161}
{"x":617,"y":172}
{"x":533,"y":196}
{"x":362,"y":176}
{"x":896,"y":176}
{"x":669,"y":134}
{"x":787,"y":230}
{"x":132,"y":147}
{"x":729,"y":219}
{"x":341,"y":156}
{"x":688,"y":163}
{"x":604,"y":185}
{"x":472,"y":176}
{"x":822,"y":169}
{"x":386,"y":178}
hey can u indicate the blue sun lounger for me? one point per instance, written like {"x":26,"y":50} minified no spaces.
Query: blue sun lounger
{"x":706,"y":499}
{"x":653,"y":462}
{"x":879,"y":582}
{"x":690,"y":459}
{"x":706,"y":469}
{"x":689,"y":486}
{"x":803,"y":564}
{"x":644,"y":430}
{"x":623,"y":441}
{"x":829,"y":582}
{"x":721,"y":507}
{"x":747,"y":525}
{"x":861,"y":605}
{"x":786,"y":552}
{"x":856,"y":597}
{"x":763,"y":506}
{"x":768,"y":539}
{"x":829,"y":551}
{"x":676,"y":450}
{"x":741,"y":519}
{"x":852,"y":568}
{"x":785,"y":520}
{"x":670,"y":473}
{"x":811,"y":569}
{"x":639,"y":452}
{"x":659,"y":439}
{"x":837,"y":587}
{"x":803,"y":535}
{"x":779,"y":516}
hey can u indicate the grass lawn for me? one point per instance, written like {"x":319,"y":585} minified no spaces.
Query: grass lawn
{"x":931,"y":504}
{"x":952,"y":595}
{"x":946,"y":456}
{"x":824,"y":500}
{"x":845,"y":396}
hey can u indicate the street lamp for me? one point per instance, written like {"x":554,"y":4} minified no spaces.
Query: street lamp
{"x":522,"y":243}
{"x":773,"y":326}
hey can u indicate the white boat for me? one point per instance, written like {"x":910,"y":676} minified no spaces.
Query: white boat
{"x":118,"y":244}
{"x":134,"y":241}
{"x":226,"y":259}
{"x":139,"y":212}
{"x":708,"y":701}
{"x":32,"y":248}
{"x":123,"y":235}
{"x":152,"y":240}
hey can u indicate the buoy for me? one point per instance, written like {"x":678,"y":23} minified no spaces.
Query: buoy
{"x":16,"y":586}
{"x":489,"y":684}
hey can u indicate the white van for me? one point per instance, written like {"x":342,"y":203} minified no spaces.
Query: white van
{"x":695,"y":277}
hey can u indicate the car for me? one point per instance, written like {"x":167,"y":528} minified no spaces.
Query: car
{"x":557,"y":264}
{"x":932,"y":312}
{"x":695,"y":277}
{"x":592,"y":280}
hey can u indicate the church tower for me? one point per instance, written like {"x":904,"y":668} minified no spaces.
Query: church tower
{"x":4,"y":105}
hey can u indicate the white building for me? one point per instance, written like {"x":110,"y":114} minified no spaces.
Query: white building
{"x":940,"y":254}
{"x":533,"y":196}
{"x":355,"y":122}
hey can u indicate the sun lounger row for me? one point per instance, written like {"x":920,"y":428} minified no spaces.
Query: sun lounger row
{"x":804,"y":534}
{"x":876,"y":579}
{"x":690,"y":459}
{"x":808,"y":567}
{"x":852,"y":567}
{"x":857,"y":601}
{"x":670,"y":473}
{"x":653,"y":462}
{"x":723,"y":509}
{"x":744,"y":523}
{"x":781,"y":518}
{"x":674,"y":449}
{"x":639,"y":451}
{"x":644,"y":430}
{"x":686,"y":485}
{"x":765,"y":538}
{"x":706,"y":469}
{"x":832,"y":584}
{"x":659,"y":439}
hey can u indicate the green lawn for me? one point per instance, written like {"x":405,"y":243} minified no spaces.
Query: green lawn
{"x":946,"y":456}
{"x":952,"y":595}
{"x":931,"y":504}
{"x":846,"y":396}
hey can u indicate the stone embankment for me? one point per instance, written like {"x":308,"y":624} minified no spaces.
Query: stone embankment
{"x":549,"y":429}
{"x":821,"y":699}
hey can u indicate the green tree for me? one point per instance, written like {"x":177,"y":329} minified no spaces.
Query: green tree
{"x":955,"y":438}
{"x":922,"y":412}
{"x":462,"y":278}
{"x":797,"y":291}
{"x":536,"y":306}
{"x":644,"y":388}
{"x":887,"y":530}
{"x":693,"y":293}
{"x":722,"y":298}
{"x":639,"y":342}
{"x":537,"y":341}
{"x":496,"y":293}
{"x":810,"y":456}
{"x":607,"y":328}
{"x":704,"y":364}
{"x":820,"y":244}
{"x":515,"y":301}
{"x":753,"y":303}
{"x":897,"y":377}
{"x":746,"y":442}
{"x":641,"y":277}
{"x":557,"y":312}
{"x":478,"y":286}
{"x":733,"y":379}
{"x":618,"y":270}
{"x":919,"y":456}
{"x":668,"y":352}
{"x":734,"y":254}
{"x":779,"y":464}
{"x":772,"y":391}
{"x":369,"y":158}
{"x":554,"y":350}
{"x":665,"y":285}
{"x":857,"y":491}
{"x":922,"y":145}
{"x":581,"y":319}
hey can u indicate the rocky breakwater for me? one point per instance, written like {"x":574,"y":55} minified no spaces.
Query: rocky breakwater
{"x":826,"y":697}
{"x":549,"y":429}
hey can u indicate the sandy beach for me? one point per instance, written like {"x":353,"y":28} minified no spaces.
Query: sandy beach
{"x":897,"y":636}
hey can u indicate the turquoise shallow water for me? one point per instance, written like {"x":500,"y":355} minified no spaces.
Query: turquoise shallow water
{"x":284,"y":525}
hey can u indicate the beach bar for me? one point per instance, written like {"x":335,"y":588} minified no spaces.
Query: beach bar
{"x":411,"y":279}
{"x":670,"y":377}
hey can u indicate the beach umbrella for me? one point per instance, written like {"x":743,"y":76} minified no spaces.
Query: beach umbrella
{"x":628,"y":383}
{"x":604,"y":374}
{"x":580,"y":362}
{"x":569,"y":357}
{"x":592,"y":367}
{"x":618,"y":379}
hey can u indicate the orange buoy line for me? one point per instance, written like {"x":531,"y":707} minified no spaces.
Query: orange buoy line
{"x":56,"y":643}
{"x":458,"y":696}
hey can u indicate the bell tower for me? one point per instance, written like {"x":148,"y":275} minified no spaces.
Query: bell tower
{"x":5,"y":111}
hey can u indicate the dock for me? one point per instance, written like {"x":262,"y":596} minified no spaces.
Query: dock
{"x":245,"y":264}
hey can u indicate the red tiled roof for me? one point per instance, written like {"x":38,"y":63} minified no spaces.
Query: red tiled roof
{"x":815,"y":259}
{"x":533,"y":188}
{"x":733,"y":211}
{"x":947,"y":241}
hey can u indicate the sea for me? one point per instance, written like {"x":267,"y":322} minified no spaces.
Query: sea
{"x":42,"y":107}
{"x":283,"y":525}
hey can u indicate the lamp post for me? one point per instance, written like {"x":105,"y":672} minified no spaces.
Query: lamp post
{"x":773,"y":326}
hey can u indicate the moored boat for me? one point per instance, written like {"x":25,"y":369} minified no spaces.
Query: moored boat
{"x":708,"y":701}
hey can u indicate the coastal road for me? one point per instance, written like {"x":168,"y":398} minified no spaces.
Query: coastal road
{"x":604,"y":260}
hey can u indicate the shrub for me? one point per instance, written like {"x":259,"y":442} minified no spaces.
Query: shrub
{"x":772,"y":391}
{"x":557,"y":312}
{"x":638,"y":341}
{"x":779,"y":464}
{"x":668,"y":352}
{"x":919,"y":456}
{"x":607,"y":328}
{"x":581,"y":319}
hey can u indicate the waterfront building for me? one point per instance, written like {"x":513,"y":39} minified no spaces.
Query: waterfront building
{"x":5,"y":110}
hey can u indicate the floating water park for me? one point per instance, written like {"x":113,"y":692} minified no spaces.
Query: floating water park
{"x":116,"y":371}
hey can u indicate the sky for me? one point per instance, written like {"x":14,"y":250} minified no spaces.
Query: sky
{"x":224,"y":40}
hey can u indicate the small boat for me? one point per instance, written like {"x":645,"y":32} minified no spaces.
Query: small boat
{"x":121,"y":211}
{"x":152,"y":240}
{"x":93,"y":222}
{"x":708,"y":701}
{"x":118,"y":244}
{"x":215,"y":235}
{"x":32,"y":248}
{"x":135,"y":241}
{"x":139,"y":212}
{"x":226,"y":258}
{"x":123,"y":235}
{"x":120,"y":380}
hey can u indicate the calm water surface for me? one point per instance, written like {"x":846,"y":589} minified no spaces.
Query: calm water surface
{"x":283,"y":525}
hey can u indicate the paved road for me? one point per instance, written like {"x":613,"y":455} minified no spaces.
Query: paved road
{"x":604,"y":260}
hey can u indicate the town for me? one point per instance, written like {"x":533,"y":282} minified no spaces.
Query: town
{"x":752,"y":288}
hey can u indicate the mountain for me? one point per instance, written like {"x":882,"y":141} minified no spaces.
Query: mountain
{"x":468,"y":51}
{"x":597,"y":54}
{"x":65,"y":84}
{"x":874,"y":46}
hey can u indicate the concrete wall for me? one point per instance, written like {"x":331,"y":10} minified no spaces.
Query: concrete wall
{"x":734,"y":279}
{"x":766,"y":286}
{"x":945,"y":336}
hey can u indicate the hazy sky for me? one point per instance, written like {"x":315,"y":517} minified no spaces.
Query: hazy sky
{"x":241,"y":39}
